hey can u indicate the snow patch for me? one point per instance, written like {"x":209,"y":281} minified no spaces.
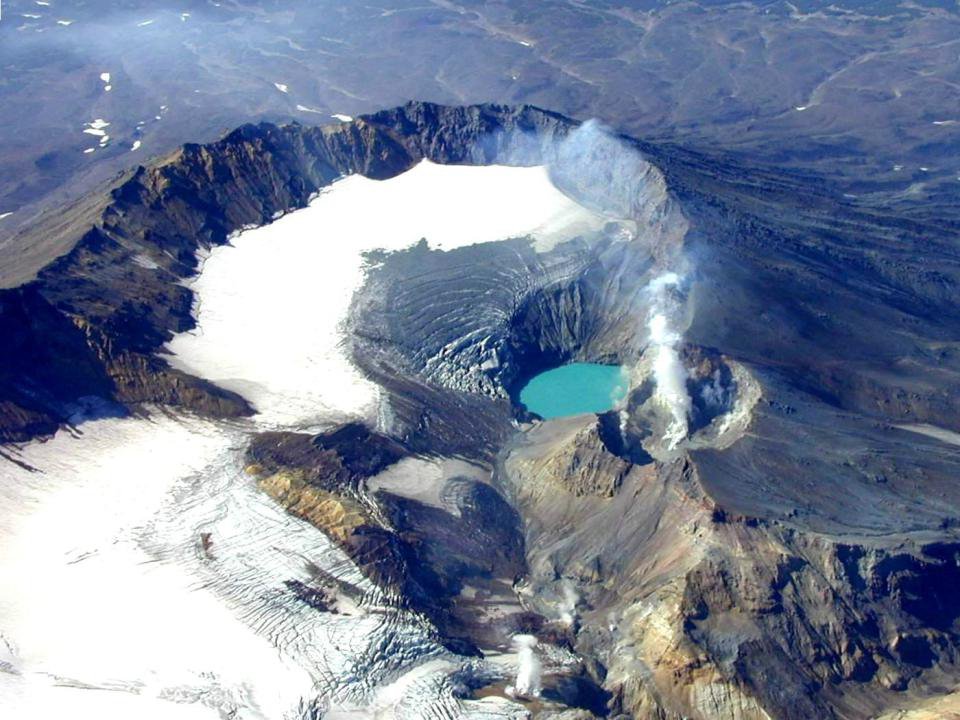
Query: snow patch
{"x":933,"y":431}
{"x":426,"y":480}
{"x":281,"y":87}
{"x":145,"y":262}
{"x":341,"y":117}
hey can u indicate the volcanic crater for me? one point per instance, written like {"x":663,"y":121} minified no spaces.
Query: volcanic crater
{"x":761,"y":530}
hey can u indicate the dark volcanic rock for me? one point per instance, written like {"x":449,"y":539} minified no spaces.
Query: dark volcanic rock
{"x":337,"y":460}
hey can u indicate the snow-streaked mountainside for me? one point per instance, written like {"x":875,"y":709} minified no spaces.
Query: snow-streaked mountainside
{"x":145,"y":575}
{"x":113,"y":608}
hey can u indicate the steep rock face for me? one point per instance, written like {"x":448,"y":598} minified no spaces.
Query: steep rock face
{"x":839,"y":625}
{"x":337,"y":460}
{"x":319,"y":478}
{"x":50,"y":350}
{"x":575,"y":461}
{"x":337,"y":515}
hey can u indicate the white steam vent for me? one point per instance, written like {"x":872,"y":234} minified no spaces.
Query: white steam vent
{"x":682,"y":396}
{"x":529,"y":668}
{"x":670,"y":376}
{"x":568,"y":604}
{"x":604,"y":172}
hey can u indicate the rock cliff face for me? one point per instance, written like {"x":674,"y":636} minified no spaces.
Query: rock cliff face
{"x":795,"y":555}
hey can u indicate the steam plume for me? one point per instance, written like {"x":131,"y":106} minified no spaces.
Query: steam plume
{"x":568,"y":606}
{"x":606,"y":172}
{"x":669,"y":373}
{"x":527,"y":684}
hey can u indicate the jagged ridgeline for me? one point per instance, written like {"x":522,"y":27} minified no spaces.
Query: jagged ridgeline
{"x":766,"y":529}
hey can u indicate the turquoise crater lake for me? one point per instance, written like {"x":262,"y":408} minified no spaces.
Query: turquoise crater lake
{"x":575,"y":389}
